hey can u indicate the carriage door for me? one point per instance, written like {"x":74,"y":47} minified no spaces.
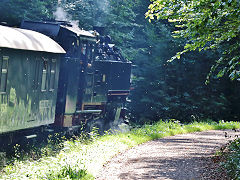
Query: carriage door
{"x":88,"y":74}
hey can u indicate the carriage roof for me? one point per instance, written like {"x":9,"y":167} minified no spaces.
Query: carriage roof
{"x":16,"y":38}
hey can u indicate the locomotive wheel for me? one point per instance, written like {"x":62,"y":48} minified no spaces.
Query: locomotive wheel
{"x":95,"y":126}
{"x":115,"y":122}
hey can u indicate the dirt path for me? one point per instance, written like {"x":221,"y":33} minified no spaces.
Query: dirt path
{"x":180,"y":157}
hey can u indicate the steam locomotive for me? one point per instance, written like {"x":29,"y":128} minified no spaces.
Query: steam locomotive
{"x":53,"y":74}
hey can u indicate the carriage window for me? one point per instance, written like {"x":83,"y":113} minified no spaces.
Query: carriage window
{"x":89,"y":51}
{"x":84,"y":49}
{"x":52,"y":74}
{"x":4,"y":72}
{"x":36,"y":75}
{"x":44,"y":75}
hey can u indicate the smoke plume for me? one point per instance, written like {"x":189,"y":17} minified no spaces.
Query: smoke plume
{"x":61,"y":15}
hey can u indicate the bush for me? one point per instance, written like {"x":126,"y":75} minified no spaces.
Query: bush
{"x":232,"y":163}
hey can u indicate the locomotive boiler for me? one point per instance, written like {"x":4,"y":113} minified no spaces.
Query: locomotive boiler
{"x":60,"y":75}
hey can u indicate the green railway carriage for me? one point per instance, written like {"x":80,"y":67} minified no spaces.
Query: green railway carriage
{"x":29,"y":68}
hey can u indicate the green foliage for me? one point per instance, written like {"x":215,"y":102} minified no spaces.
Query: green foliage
{"x":206,"y":25}
{"x":85,"y":12}
{"x":177,"y":89}
{"x":121,"y":25}
{"x":232,"y":162}
{"x":68,"y":172}
{"x":14,"y":11}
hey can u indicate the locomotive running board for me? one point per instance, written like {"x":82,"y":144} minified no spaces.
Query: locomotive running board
{"x":118,"y":92}
{"x":31,"y":136}
{"x":88,"y":111}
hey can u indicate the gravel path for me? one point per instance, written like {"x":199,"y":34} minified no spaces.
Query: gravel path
{"x":180,"y":157}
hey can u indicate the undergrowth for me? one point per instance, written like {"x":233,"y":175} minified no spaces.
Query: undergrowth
{"x":231,"y":159}
{"x":79,"y":158}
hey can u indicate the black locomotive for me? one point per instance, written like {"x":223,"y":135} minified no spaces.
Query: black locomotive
{"x":53,"y":73}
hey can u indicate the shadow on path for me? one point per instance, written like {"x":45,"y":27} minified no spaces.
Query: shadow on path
{"x":180,"y":157}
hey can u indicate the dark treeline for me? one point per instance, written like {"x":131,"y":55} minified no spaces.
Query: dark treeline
{"x":162,"y":90}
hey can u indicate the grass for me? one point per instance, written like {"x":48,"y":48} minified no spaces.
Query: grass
{"x":82,"y":159}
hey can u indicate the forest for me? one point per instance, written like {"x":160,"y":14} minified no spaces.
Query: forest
{"x":182,"y":69}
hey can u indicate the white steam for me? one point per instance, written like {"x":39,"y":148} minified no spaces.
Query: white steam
{"x":100,"y":11}
{"x":103,"y":5}
{"x":61,"y":15}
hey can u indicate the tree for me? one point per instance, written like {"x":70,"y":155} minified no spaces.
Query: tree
{"x":88,"y":13}
{"x":177,"y":90}
{"x":14,"y":11}
{"x":206,"y":24}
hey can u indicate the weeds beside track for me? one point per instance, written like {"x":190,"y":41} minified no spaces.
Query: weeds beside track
{"x":79,"y":158}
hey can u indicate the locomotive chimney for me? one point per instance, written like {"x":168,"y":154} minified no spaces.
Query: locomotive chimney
{"x":99,"y":29}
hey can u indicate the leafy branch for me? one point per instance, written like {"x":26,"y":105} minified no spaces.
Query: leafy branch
{"x":205,"y":24}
